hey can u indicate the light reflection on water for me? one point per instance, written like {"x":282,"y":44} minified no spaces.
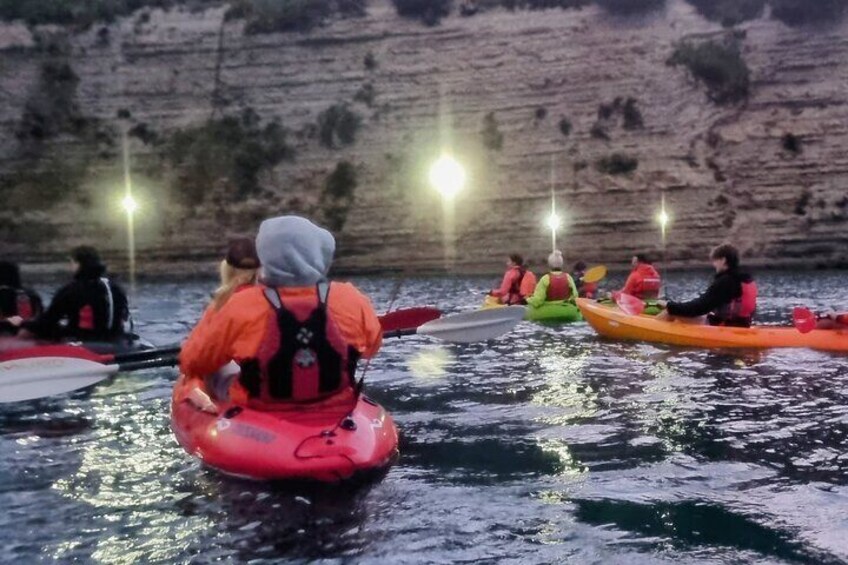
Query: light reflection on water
{"x":547,"y":446}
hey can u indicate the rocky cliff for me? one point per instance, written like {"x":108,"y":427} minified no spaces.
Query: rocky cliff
{"x":519,"y":98}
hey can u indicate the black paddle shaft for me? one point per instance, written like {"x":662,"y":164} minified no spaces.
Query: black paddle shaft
{"x":169,"y":361}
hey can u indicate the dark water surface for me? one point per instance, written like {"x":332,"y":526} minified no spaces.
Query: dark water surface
{"x":546,"y":446}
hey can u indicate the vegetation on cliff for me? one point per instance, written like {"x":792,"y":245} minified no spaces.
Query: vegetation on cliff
{"x":719,"y":66}
{"x":269,"y":16}
{"x":790,"y":12}
{"x":617,"y":164}
{"x":338,"y":125}
{"x":235,"y":149}
{"x":337,"y":195}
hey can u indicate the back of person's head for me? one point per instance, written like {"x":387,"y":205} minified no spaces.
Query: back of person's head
{"x":517,"y":259}
{"x":294,"y":251}
{"x":241,"y":253}
{"x":727,"y":252}
{"x":580,"y":266}
{"x":555,"y":261}
{"x":86,"y":256}
{"x":10,"y":274}
{"x":643,"y":258}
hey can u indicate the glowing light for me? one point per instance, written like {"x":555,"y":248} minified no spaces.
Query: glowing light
{"x":554,"y":221}
{"x":663,"y":218}
{"x":129,"y":204}
{"x":447,"y":176}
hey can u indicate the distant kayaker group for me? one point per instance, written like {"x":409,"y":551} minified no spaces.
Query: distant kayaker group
{"x":729,"y":300}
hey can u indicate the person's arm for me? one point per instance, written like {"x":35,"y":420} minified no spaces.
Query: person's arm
{"x":355,"y":316}
{"x":718,"y":294}
{"x":208,"y":348}
{"x":47,"y":325}
{"x":633,"y":285}
{"x":506,"y":284}
{"x":540,"y":295}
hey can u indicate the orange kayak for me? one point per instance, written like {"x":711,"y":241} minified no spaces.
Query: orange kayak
{"x":611,"y":322}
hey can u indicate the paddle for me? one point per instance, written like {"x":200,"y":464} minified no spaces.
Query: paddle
{"x":595,"y":274}
{"x":468,"y":327}
{"x":629,"y":304}
{"x":38,"y":377}
{"x":81,"y":352}
{"x":806,"y":321}
{"x":408,"y":318}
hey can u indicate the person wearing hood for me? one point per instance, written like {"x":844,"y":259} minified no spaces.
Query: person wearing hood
{"x":554,"y":286}
{"x":16,"y":302}
{"x":731,"y":298}
{"x":296,"y":337}
{"x":92,"y":307}
{"x":644,"y":281}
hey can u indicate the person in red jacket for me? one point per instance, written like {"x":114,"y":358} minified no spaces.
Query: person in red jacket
{"x":518,"y":282}
{"x":644,"y":281}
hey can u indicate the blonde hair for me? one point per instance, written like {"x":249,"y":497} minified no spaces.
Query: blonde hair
{"x":231,"y":279}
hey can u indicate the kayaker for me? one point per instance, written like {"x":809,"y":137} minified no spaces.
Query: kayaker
{"x":584,"y":289}
{"x":238,"y":271}
{"x":90,"y":308}
{"x":518,"y":282}
{"x":554,"y":286}
{"x":17,"y":304}
{"x":296,"y":337}
{"x":731,"y":298}
{"x":644,"y":280}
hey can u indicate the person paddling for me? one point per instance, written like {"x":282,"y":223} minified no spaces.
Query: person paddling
{"x":15,"y":301}
{"x":518,"y":282}
{"x":731,"y":298}
{"x":554,"y":286}
{"x":584,"y":289}
{"x":296,"y":337}
{"x":90,"y":308}
{"x":644,"y":281}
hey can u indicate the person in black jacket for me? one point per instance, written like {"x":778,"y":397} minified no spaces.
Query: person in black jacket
{"x":90,"y":308}
{"x":15,"y":300}
{"x":731,"y":298}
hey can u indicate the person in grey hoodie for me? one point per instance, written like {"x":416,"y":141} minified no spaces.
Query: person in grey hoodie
{"x":297,"y":336}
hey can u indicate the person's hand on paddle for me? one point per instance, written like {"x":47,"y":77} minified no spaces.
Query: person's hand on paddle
{"x":15,"y":321}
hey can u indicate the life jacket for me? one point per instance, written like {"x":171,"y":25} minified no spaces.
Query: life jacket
{"x":25,"y":305}
{"x":86,"y":318}
{"x":651,"y":281}
{"x":522,"y":287}
{"x":741,"y":309}
{"x":559,"y":286}
{"x":302,"y":357}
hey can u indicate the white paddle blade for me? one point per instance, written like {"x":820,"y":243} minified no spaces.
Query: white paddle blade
{"x":478,"y":325}
{"x":40,"y":377}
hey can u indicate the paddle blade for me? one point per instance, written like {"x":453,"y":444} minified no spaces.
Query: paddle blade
{"x":478,"y":325}
{"x":595,"y":274}
{"x":629,"y":304}
{"x":408,"y":318}
{"x":40,"y":377}
{"x":804,"y":320}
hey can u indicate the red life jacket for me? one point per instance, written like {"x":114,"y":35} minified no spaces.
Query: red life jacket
{"x":26,"y":309}
{"x":515,"y":296}
{"x":651,"y":281}
{"x":303,"y":356}
{"x":559,"y":287}
{"x":86,"y":316}
{"x":746,"y":304}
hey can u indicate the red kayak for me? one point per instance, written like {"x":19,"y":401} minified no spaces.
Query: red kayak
{"x":326,"y":441}
{"x":12,"y":348}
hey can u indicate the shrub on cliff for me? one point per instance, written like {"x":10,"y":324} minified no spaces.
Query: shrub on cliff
{"x":492,"y":137}
{"x":337,"y":195}
{"x":52,"y":108}
{"x":234,"y":148}
{"x":269,"y":16}
{"x":630,"y":7}
{"x":338,"y":125}
{"x":430,"y":12}
{"x":729,"y":12}
{"x":617,"y":164}
{"x":543,"y":4}
{"x":565,"y":126}
{"x":79,"y":13}
{"x":803,"y":12}
{"x":719,"y":66}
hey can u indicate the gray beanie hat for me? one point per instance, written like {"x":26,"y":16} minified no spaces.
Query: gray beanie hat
{"x":294,"y":251}
{"x":555,"y":261}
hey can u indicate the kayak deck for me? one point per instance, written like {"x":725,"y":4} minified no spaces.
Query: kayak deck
{"x":613,"y":323}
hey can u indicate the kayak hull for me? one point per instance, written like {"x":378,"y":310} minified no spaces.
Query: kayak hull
{"x":614,"y":324}
{"x":302,"y":443}
{"x":556,"y":312}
